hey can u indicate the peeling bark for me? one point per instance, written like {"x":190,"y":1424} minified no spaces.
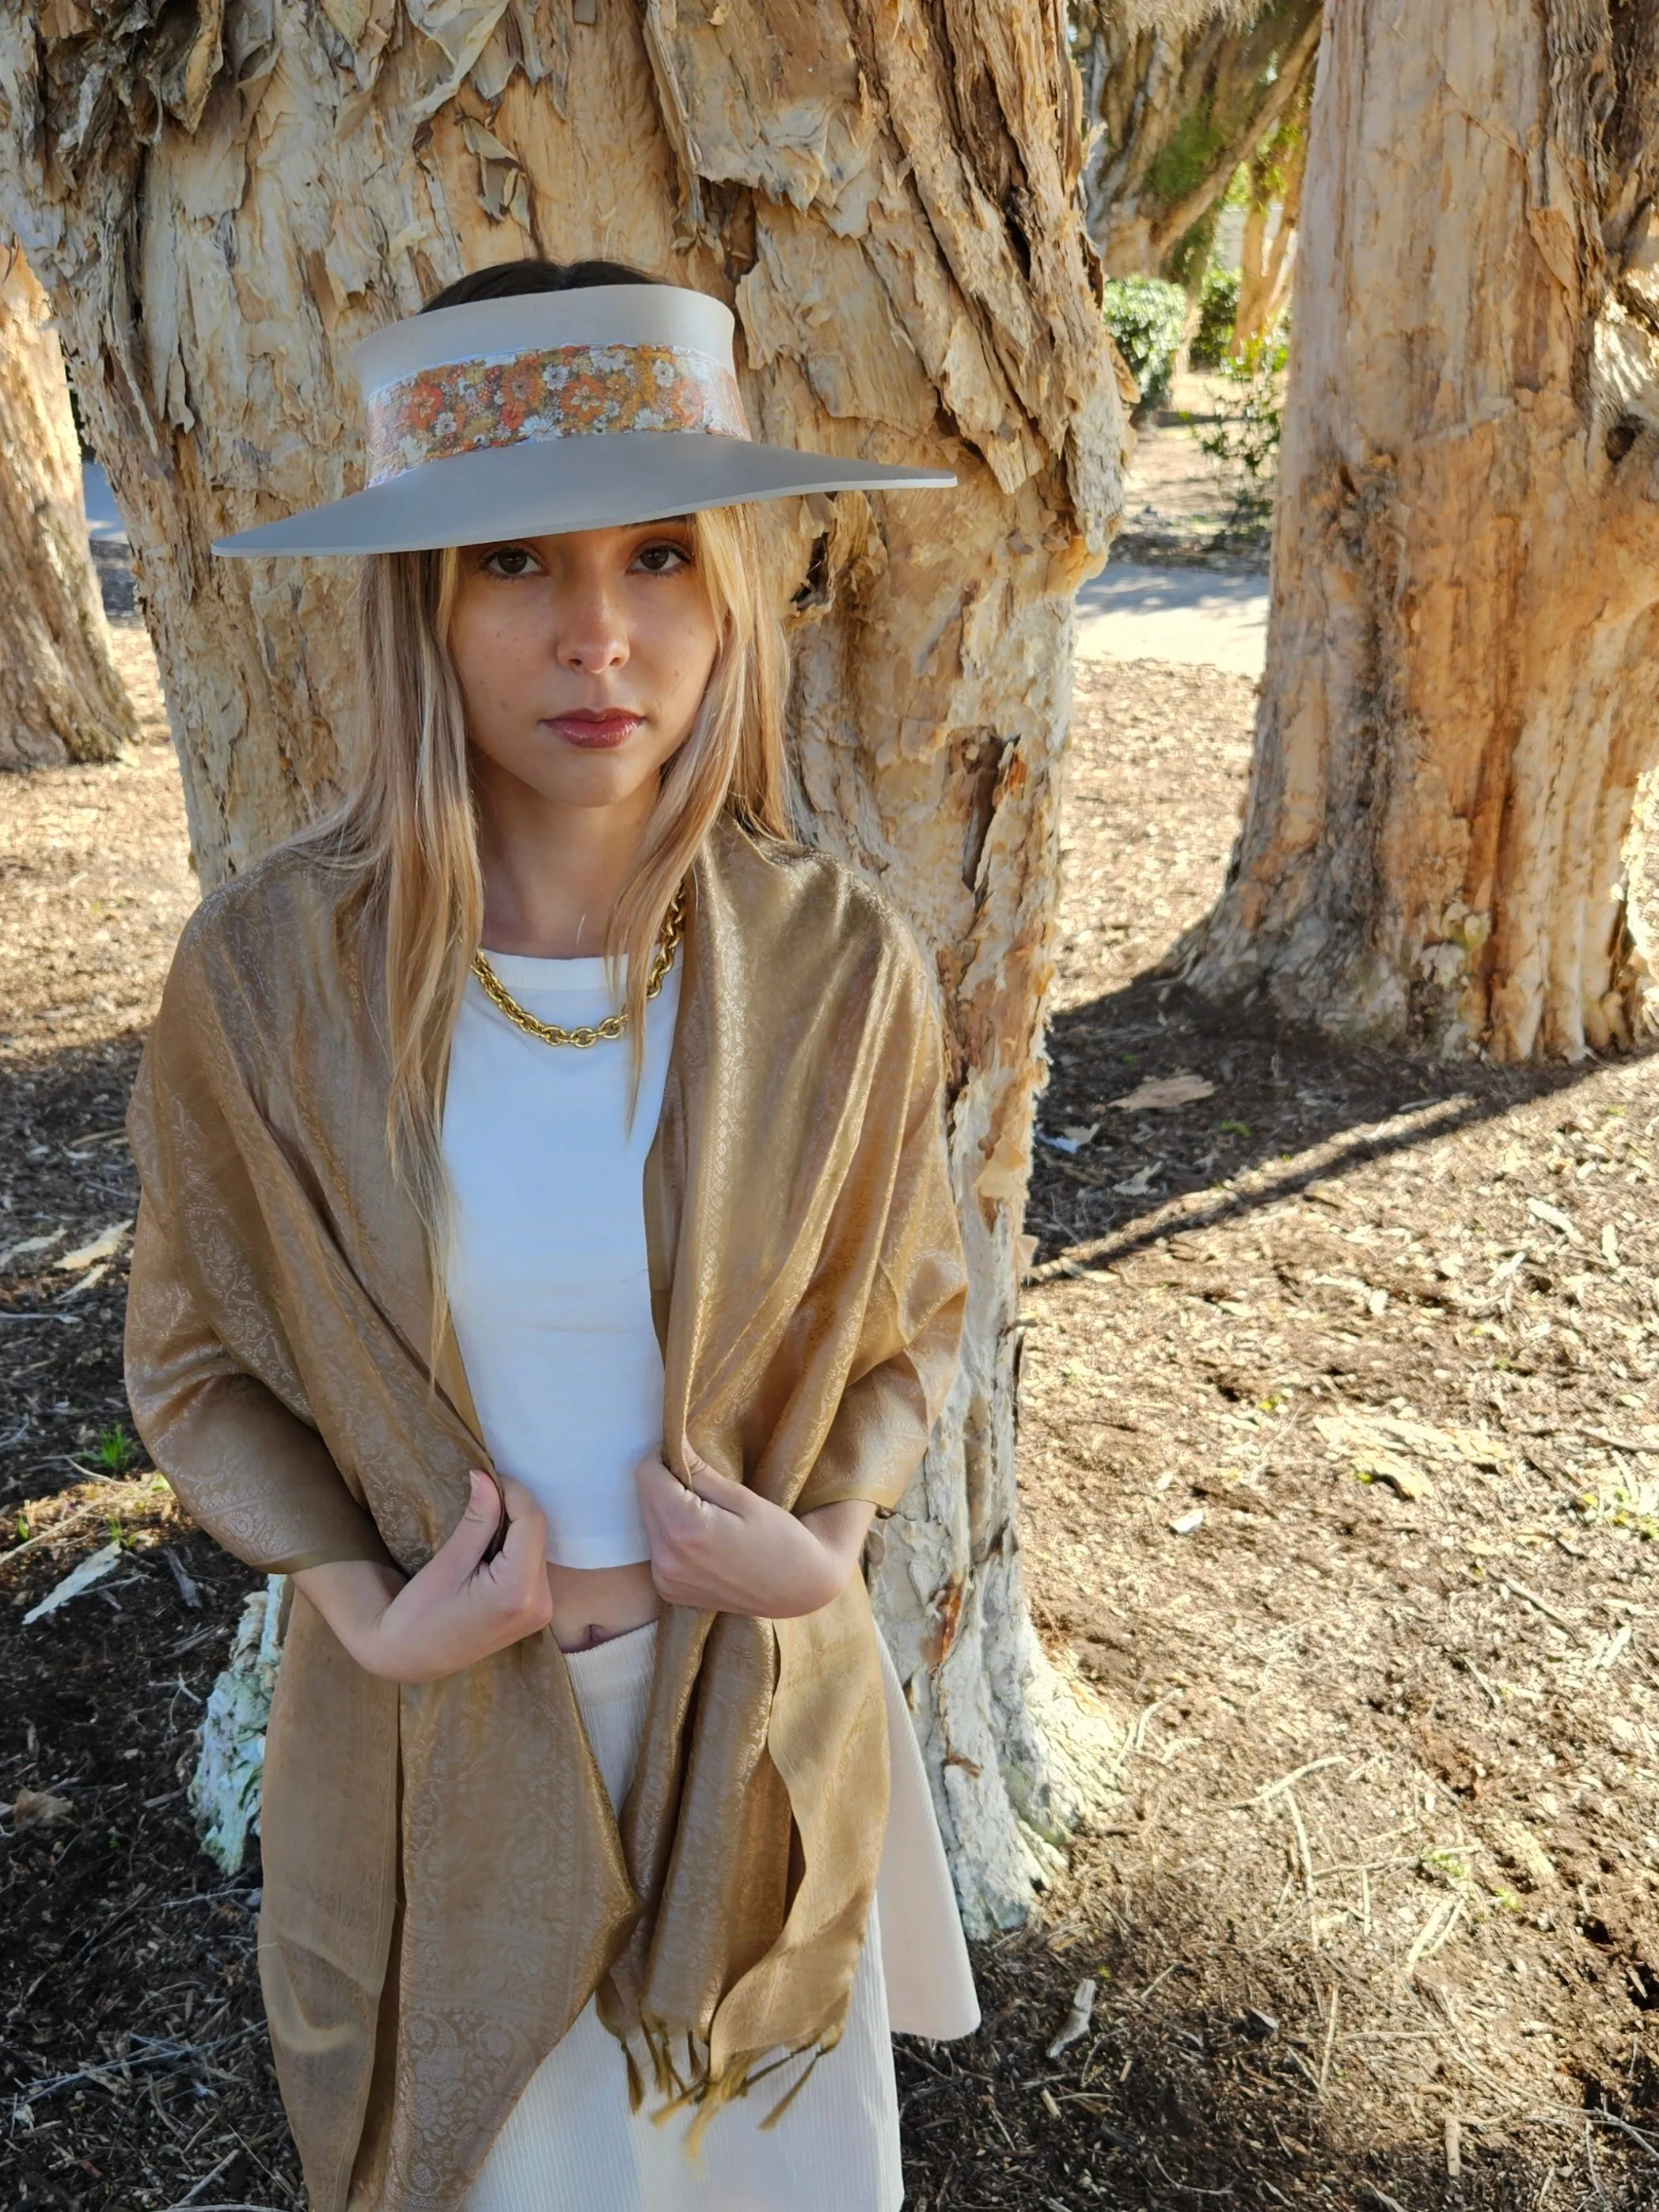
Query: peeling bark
{"x":1180,"y":96}
{"x":886,"y":195}
{"x":60,"y":697}
{"x":1462,"y":694}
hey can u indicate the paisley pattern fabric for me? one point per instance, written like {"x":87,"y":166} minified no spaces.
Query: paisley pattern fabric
{"x":562,"y":392}
{"x":445,"y":1884}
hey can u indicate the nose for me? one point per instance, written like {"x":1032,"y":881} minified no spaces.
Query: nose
{"x":589,"y":633}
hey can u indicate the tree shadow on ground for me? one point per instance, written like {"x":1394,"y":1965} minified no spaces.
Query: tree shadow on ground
{"x":1290,"y":1112}
{"x":129,"y":1982}
{"x":1205,"y":2078}
{"x":1174,"y":2098}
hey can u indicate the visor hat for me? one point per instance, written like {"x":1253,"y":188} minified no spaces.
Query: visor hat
{"x":551,"y":411}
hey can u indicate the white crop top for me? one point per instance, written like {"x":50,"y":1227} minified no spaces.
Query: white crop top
{"x":548,"y":1280}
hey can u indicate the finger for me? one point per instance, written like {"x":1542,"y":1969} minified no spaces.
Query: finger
{"x":718,"y":1490}
{"x":663,"y":1497}
{"x":522,"y":1505}
{"x":470,"y":1538}
{"x":678,"y":1527}
{"x":522,"y":1557}
{"x":678,"y":1520}
{"x":479,"y":1529}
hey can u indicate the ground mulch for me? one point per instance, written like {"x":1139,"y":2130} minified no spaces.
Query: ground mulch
{"x":1340,"y":1454}
{"x":133,"y":2059}
{"x":1340,"y":1459}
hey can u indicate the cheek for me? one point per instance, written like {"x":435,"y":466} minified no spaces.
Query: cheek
{"x":490,"y":651}
{"x":685,"y":655}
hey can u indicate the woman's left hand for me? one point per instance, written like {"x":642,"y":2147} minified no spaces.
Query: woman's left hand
{"x":716,"y":1544}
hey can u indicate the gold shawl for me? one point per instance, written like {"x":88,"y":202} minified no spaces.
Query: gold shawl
{"x":445,"y":1883}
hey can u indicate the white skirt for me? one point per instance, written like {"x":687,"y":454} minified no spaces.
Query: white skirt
{"x":570,"y":2144}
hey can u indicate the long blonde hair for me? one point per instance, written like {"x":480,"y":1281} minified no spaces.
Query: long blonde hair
{"x":407,"y":831}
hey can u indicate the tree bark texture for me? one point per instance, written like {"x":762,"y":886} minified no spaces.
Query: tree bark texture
{"x":1461,"y":693}
{"x":1177,"y":97}
{"x":886,"y":194}
{"x":60,"y":697}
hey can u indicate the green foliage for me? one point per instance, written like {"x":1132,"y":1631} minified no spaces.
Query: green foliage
{"x":1446,"y":1864}
{"x":1194,"y":147}
{"x":1187,"y":260}
{"x":1146,"y":317}
{"x":1244,"y":444}
{"x":1218,"y":309}
{"x":116,"y":1451}
{"x":1625,"y":1502}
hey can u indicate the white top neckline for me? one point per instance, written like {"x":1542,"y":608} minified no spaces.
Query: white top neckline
{"x":548,"y":1278}
{"x":542,"y":971}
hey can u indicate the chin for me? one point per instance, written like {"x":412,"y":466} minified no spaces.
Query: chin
{"x":567,"y":777}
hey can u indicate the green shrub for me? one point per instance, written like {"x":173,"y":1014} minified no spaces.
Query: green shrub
{"x":1147,"y":318}
{"x":1216,"y":311}
{"x":1244,"y":445}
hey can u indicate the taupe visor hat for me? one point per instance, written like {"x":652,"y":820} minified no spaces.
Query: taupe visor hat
{"x":550,"y":412}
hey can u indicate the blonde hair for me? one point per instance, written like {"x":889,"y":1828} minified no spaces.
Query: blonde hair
{"x":407,"y":830}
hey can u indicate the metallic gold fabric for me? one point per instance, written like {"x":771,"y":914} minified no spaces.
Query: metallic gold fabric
{"x":445,"y":1882}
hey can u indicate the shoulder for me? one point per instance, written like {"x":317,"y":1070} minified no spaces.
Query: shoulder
{"x":791,"y":901}
{"x":290,"y":888}
{"x":262,"y":946}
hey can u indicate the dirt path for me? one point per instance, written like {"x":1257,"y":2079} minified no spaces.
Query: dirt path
{"x":1341,"y":1455}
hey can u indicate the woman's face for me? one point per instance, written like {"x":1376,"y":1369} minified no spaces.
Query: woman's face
{"x":583,"y":659}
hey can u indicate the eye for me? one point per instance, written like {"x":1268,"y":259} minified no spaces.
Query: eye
{"x":509,"y":561}
{"x":663,"y":557}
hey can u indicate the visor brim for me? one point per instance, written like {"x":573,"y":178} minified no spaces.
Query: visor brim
{"x":545,"y":488}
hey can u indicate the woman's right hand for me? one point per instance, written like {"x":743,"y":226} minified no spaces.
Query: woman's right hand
{"x":458,"y":1609}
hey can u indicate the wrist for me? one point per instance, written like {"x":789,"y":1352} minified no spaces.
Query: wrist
{"x":837,"y":1531}
{"x":818,"y":1574}
{"x":353,"y":1596}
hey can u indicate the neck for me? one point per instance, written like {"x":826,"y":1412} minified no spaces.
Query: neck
{"x":551,"y":873}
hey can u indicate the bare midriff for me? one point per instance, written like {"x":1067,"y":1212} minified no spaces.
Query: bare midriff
{"x":592,"y":1604}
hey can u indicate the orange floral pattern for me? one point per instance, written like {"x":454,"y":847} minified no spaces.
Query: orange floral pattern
{"x":562,"y":392}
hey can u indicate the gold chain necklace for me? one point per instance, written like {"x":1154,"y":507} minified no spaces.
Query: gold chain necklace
{"x":613,"y":1024}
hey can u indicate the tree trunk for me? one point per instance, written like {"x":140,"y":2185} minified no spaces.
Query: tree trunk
{"x":886,"y":195}
{"x":60,"y":697}
{"x":1277,"y":172}
{"x":1180,"y":96}
{"x":1462,"y":683}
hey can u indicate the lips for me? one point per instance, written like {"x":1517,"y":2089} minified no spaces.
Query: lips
{"x":596,"y":732}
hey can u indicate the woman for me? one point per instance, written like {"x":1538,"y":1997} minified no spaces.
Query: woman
{"x":547,"y":1261}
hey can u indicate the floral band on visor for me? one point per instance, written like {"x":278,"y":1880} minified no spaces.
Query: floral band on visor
{"x":511,"y":399}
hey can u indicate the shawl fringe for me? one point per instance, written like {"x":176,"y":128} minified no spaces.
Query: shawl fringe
{"x":705,"y":2093}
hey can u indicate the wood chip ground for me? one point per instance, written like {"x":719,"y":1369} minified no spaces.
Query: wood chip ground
{"x":1371,"y":1916}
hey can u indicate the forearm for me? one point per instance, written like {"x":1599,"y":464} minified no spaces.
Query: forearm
{"x":352,"y":1595}
{"x":247,"y":1469}
{"x":839,"y":1530}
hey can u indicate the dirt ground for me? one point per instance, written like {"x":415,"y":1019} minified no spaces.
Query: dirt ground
{"x":1179,"y":505}
{"x":1339,"y":1451}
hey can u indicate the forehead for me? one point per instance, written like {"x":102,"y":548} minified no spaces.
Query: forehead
{"x":578,"y":544}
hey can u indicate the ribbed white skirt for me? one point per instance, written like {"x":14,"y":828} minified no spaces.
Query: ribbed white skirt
{"x":571,"y":2144}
